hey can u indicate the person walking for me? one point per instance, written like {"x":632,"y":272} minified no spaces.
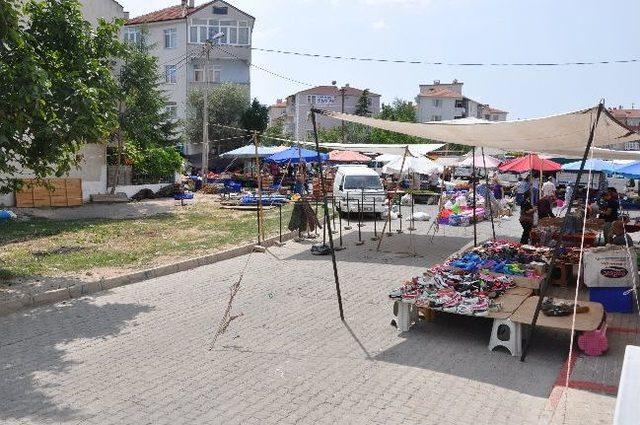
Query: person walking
{"x":522,"y":187}
{"x":549,"y":188}
{"x":526,"y":218}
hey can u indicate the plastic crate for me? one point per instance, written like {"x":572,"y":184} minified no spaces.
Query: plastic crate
{"x":613,"y":299}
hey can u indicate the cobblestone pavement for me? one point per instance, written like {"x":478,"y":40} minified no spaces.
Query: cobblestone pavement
{"x":141,"y":354}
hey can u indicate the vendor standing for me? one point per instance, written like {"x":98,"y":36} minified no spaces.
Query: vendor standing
{"x":522,"y":187}
{"x":545,"y":207}
{"x":497,"y":188}
{"x":526,"y":218}
{"x":609,"y":212}
{"x":549,"y":188}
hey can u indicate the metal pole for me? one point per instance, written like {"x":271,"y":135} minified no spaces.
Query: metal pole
{"x":488,"y":195}
{"x":400,"y":215}
{"x":333,"y":214}
{"x":560,"y":245}
{"x":280,"y":215}
{"x":348,"y":226}
{"x":344,"y":128}
{"x":413,"y":220}
{"x":473,"y":176}
{"x":388,"y":221}
{"x":259,"y":179}
{"x":341,"y":247}
{"x":205,"y":116}
{"x":360,"y":242}
{"x":362,"y":213}
{"x":375,"y":222}
{"x":326,"y":212}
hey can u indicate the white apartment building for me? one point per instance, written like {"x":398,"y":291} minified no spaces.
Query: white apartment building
{"x":630,"y":118}
{"x":445,"y":101}
{"x":332,"y":98}
{"x":177,"y":35}
{"x":93,"y":10}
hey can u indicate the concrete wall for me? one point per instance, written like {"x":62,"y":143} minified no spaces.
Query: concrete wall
{"x":298,"y":109}
{"x":92,"y":10}
{"x":447,"y":110}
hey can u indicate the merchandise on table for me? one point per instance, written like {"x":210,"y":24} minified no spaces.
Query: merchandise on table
{"x":457,"y":210}
{"x":503,"y":257}
{"x":455,"y":291}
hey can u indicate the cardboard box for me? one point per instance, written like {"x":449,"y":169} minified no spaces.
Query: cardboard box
{"x":609,"y":267}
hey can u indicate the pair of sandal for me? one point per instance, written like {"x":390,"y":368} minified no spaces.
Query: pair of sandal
{"x":549,"y":308}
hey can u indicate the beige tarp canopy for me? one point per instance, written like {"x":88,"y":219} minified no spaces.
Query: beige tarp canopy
{"x":563,"y":135}
{"x":417,"y":150}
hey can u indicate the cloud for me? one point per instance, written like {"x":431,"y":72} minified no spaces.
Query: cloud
{"x":380,"y":25}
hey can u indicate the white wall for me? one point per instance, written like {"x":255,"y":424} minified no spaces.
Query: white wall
{"x":447,"y":110}
{"x":92,"y":10}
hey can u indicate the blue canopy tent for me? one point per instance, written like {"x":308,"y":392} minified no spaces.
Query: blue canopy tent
{"x":296,"y":155}
{"x":631,"y":170}
{"x":597,"y":165}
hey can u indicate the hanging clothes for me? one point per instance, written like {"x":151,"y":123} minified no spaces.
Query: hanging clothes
{"x":303,"y":217}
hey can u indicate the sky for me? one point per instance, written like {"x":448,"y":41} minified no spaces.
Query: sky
{"x":454,"y":31}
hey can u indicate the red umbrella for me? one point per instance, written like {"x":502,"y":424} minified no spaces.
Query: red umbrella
{"x":528,"y":163}
{"x":347,"y":156}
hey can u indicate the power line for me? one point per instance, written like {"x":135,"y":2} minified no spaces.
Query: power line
{"x":420,"y":62}
{"x":284,"y":77}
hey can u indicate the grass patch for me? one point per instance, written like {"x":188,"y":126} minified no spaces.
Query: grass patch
{"x":41,"y":247}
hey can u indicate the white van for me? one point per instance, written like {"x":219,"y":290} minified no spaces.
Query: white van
{"x":352,"y":183}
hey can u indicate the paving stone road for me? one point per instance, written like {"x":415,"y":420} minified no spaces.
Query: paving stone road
{"x":141,"y":354}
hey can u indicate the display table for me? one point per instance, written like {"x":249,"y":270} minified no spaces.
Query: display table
{"x":589,"y":321}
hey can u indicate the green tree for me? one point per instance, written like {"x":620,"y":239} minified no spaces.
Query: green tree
{"x":56,"y":90}
{"x":227,"y":104}
{"x":364,"y":104}
{"x":398,"y":110}
{"x":256,"y":117}
{"x":274,"y":132}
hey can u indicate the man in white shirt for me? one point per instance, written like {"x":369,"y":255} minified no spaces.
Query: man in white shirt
{"x":548,"y":188}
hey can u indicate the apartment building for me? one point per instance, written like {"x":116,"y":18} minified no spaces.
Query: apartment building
{"x":344,"y":99}
{"x":445,"y":101}
{"x":93,"y":10}
{"x":277,"y":111}
{"x":177,"y":35}
{"x":630,"y":118}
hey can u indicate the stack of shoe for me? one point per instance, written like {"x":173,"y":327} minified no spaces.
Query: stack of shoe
{"x":499,"y":257}
{"x":454,"y":291}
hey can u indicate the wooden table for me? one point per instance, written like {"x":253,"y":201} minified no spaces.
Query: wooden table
{"x":589,"y":321}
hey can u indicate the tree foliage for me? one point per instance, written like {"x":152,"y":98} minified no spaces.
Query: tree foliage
{"x":256,"y":117}
{"x":227,"y":104}
{"x":363,"y":106}
{"x":56,"y":90}
{"x":145,"y":119}
{"x":398,"y":110}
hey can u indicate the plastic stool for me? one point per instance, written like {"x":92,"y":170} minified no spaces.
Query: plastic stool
{"x":507,"y":334}
{"x":407,"y":315}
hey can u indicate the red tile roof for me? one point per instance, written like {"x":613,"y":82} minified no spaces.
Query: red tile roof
{"x":623,"y":114}
{"x":490,"y":110}
{"x":333,"y":90}
{"x":439,"y":92}
{"x":172,"y":13}
{"x":279,"y":105}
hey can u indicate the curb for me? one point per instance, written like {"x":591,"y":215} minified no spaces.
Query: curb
{"x":86,"y":288}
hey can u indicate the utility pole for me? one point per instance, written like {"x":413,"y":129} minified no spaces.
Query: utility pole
{"x":205,"y":113}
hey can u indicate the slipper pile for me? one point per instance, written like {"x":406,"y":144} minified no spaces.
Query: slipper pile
{"x":500,"y":257}
{"x":455,"y":291}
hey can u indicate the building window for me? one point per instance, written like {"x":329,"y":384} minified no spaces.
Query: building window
{"x":494,"y":117}
{"x":487,"y":117}
{"x":132,"y":35}
{"x":436,"y":118}
{"x":236,"y":33}
{"x":459,"y":103}
{"x":215,"y":74}
{"x":320,"y":100}
{"x":172,"y":110}
{"x":220,"y":10}
{"x":170,"y":74}
{"x":170,"y":38}
{"x":437,"y":103}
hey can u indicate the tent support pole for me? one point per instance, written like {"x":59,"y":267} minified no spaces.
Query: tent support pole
{"x":556,"y":252}
{"x":388,"y":221}
{"x":475,"y":204}
{"x":259,"y":181}
{"x":488,"y":195}
{"x":326,"y":215}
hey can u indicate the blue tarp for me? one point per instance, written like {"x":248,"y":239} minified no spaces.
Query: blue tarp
{"x":597,"y":165}
{"x":631,"y":170}
{"x":295,"y":155}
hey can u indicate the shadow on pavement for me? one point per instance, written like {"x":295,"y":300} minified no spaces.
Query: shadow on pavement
{"x":457,"y":345}
{"x":30,"y":345}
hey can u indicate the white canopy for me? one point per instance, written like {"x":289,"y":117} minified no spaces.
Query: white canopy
{"x":448,"y":161}
{"x":412,"y":165}
{"x":387,"y":157}
{"x":489,"y":161}
{"x":560,"y":135}
{"x":381,"y":148}
{"x":249,"y":151}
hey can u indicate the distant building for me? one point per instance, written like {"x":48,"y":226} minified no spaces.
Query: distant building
{"x":332,"y":98}
{"x":445,"y":101}
{"x":630,"y":118}
{"x":277,"y":111}
{"x":177,"y":35}
{"x":93,"y":10}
